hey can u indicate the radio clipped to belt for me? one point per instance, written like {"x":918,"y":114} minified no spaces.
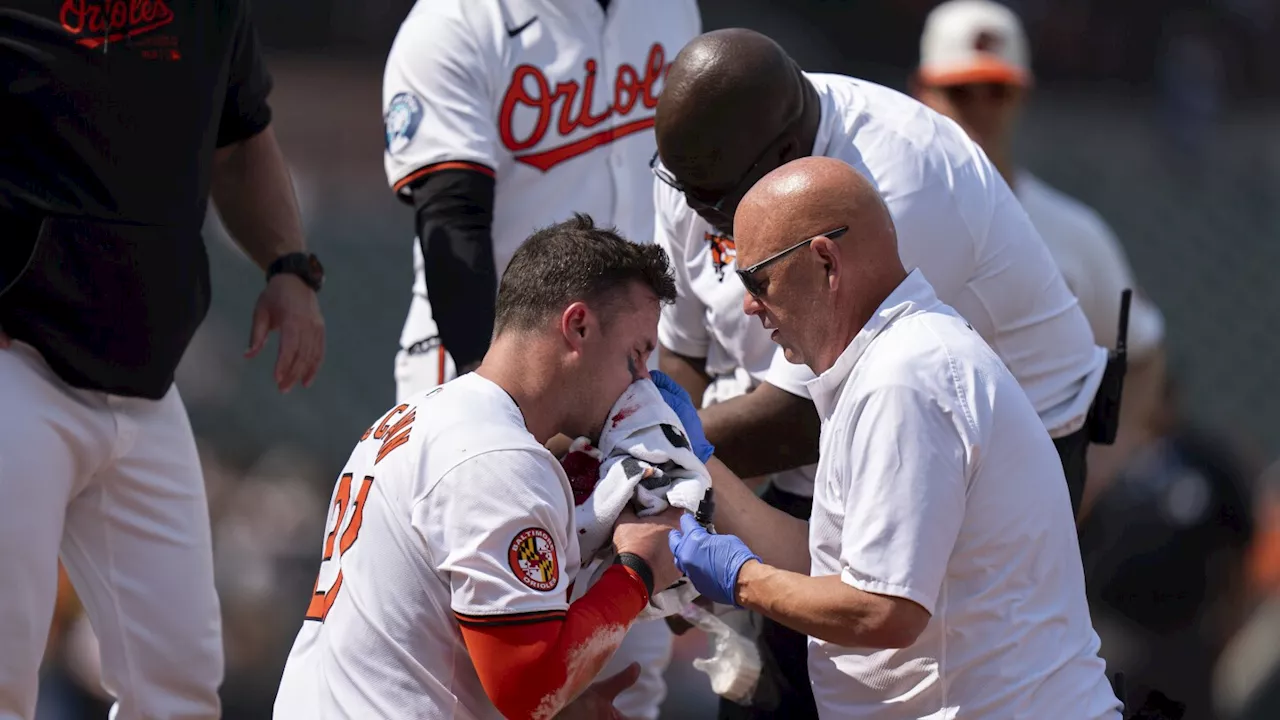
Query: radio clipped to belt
{"x":1104,"y":415}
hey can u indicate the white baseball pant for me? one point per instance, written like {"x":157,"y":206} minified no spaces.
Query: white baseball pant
{"x":422,"y":364}
{"x":114,"y":486}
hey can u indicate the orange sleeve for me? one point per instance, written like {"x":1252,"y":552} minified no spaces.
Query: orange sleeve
{"x":533,"y":665}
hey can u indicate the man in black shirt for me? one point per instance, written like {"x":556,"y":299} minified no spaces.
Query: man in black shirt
{"x":121,"y":119}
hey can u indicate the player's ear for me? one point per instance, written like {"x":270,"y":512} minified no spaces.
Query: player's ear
{"x":829,"y":255}
{"x":575,"y":323}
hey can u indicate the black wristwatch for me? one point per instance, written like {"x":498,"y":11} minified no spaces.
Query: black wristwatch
{"x":640,"y":566}
{"x":305,"y":265}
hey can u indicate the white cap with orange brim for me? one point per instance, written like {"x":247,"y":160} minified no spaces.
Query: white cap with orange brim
{"x":974,"y":41}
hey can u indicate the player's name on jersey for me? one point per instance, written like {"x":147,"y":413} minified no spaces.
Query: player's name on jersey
{"x":393,"y":430}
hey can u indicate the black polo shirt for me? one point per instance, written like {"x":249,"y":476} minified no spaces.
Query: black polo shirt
{"x":111,"y":112}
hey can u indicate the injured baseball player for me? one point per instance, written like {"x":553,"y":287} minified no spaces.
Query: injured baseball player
{"x":939,"y":575}
{"x":450,"y":581}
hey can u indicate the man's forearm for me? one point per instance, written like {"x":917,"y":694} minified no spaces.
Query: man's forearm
{"x":779,"y":539}
{"x":454,"y":223}
{"x":254,"y":195}
{"x":767,"y":430}
{"x":827,"y":608}
{"x":689,"y":372}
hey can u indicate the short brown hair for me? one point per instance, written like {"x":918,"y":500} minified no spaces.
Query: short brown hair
{"x":575,"y":261}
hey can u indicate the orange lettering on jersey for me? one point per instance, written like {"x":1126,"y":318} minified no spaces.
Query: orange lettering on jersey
{"x":340,"y":500}
{"x":386,"y":421}
{"x":396,"y":435}
{"x":357,"y":516}
{"x":381,"y":424}
{"x":628,"y":88}
{"x":322,"y":600}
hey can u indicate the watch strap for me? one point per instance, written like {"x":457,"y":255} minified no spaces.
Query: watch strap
{"x":640,"y":566}
{"x":304,"y":266}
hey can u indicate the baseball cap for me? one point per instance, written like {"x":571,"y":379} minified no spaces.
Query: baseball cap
{"x":974,"y":41}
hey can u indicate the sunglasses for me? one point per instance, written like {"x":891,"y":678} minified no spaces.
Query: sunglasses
{"x":748,"y":275}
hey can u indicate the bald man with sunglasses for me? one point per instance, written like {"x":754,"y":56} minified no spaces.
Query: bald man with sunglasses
{"x":939,"y":576}
{"x":734,"y":108}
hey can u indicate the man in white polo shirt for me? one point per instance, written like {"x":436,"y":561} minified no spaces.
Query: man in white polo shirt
{"x":939,"y":575}
{"x":975,"y":68}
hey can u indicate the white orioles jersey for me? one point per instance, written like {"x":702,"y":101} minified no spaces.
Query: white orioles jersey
{"x":553,"y":98}
{"x":448,"y":511}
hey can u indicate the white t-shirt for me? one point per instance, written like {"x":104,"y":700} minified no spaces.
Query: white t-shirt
{"x":448,"y":511}
{"x":554,"y":98}
{"x":957,"y":222}
{"x":936,"y":484}
{"x":1092,"y":262}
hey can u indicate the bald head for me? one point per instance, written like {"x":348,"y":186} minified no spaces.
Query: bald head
{"x":809,"y":196}
{"x":718,"y":81}
{"x":818,"y":296}
{"x":732,"y":99}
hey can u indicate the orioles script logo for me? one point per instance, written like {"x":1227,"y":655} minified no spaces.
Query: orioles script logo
{"x":97,"y":22}
{"x":530,"y":89}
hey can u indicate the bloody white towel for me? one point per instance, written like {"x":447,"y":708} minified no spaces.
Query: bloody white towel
{"x":645,"y":460}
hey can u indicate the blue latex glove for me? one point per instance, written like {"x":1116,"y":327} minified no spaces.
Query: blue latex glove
{"x":712,"y":562}
{"x":679,"y":401}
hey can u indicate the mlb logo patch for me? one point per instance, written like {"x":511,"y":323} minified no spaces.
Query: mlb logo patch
{"x":401,"y":121}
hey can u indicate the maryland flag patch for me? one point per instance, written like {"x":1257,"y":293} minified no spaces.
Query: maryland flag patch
{"x":532,"y":557}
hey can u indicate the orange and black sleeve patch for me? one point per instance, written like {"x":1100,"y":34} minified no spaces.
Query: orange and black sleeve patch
{"x":420,"y":173}
{"x":509,"y":618}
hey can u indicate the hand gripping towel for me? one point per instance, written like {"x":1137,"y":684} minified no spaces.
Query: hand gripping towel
{"x":643,"y":459}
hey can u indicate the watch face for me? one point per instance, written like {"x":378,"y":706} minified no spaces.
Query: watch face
{"x":315,"y":269}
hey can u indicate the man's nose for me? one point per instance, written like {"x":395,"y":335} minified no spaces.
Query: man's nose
{"x":751,"y":305}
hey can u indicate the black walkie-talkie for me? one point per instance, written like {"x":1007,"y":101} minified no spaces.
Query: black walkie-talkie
{"x":1104,"y":416}
{"x":705,"y":517}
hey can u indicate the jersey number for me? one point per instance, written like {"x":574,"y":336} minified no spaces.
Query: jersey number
{"x":322,"y":598}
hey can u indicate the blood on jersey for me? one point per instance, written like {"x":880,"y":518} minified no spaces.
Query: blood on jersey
{"x":529,"y":88}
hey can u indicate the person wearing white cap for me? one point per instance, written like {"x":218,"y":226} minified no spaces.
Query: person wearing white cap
{"x":975,"y":67}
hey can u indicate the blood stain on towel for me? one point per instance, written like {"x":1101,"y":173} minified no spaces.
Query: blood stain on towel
{"x":583,"y":471}
{"x":623,"y":414}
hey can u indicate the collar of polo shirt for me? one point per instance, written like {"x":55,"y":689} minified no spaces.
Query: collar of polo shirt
{"x":911,"y":293}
